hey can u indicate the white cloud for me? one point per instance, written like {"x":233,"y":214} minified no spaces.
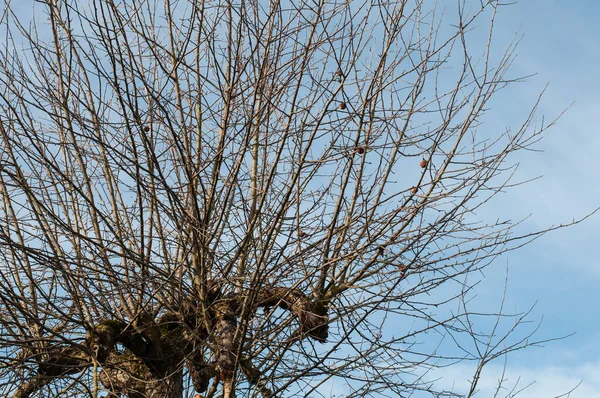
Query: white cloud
{"x":544,"y":382}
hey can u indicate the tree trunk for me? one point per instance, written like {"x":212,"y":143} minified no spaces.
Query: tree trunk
{"x":128,"y":375}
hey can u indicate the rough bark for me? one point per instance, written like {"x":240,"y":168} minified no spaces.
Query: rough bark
{"x":155,"y":352}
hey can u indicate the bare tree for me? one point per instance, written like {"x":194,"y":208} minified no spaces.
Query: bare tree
{"x":248,"y":198}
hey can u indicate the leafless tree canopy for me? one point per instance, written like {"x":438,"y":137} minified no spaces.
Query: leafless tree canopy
{"x":248,"y":198}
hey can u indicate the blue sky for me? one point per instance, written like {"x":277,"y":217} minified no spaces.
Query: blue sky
{"x":560,"y":271}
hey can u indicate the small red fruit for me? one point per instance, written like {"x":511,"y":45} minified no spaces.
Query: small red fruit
{"x":342,"y":105}
{"x":413,"y":190}
{"x":146,"y":128}
{"x":423,"y":163}
{"x":360,"y":150}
